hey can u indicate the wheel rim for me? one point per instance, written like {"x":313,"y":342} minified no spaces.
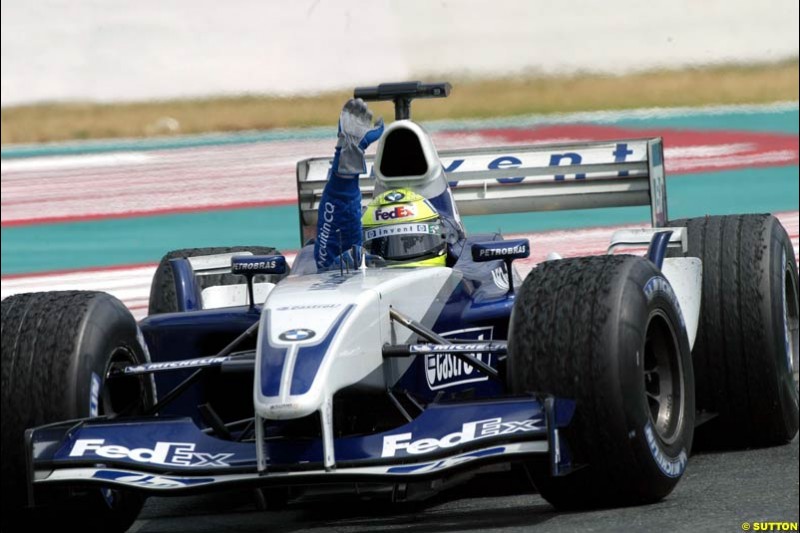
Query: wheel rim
{"x":117,"y":393}
{"x":115,"y":400}
{"x":663,"y":377}
{"x":791,"y":324}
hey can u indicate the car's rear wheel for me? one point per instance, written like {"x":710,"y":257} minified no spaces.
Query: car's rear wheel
{"x":608,"y":333}
{"x":745,"y":356}
{"x":163,"y":298}
{"x":57,"y":349}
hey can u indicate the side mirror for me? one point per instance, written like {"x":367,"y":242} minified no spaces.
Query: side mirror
{"x":252,"y":265}
{"x":506,"y":251}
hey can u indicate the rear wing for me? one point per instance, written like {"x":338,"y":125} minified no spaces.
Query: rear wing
{"x":518,"y":179}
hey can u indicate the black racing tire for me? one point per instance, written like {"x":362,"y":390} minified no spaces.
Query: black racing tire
{"x":607,"y":332}
{"x":57,"y":348}
{"x":163,"y":298}
{"x":745,"y":354}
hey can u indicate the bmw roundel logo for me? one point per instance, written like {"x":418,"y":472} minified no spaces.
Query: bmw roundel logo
{"x":394,"y":196}
{"x":300,"y":334}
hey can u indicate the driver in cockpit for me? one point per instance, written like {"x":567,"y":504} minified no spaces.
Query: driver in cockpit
{"x":401,"y":226}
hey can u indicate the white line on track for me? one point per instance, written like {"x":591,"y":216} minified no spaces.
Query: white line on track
{"x":74,"y":161}
{"x":49,"y":189}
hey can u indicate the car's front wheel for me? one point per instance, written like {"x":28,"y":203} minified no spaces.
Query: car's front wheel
{"x":608,"y":333}
{"x":57,"y":350}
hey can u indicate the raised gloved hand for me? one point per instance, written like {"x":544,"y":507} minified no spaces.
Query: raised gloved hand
{"x":356,"y":133}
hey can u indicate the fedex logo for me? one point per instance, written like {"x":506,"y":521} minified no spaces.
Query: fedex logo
{"x":491,"y":427}
{"x":164,"y":453}
{"x":394,"y":213}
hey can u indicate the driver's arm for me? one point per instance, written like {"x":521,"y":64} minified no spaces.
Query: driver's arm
{"x":339,"y":216}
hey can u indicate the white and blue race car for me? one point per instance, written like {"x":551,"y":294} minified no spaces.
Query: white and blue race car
{"x":592,"y":373}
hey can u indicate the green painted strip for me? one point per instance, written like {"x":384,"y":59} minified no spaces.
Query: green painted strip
{"x":142,"y":239}
{"x":138,"y":240}
{"x":785,"y":122}
{"x":782,"y":117}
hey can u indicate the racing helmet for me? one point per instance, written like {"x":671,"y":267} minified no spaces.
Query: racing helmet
{"x":404,"y":229}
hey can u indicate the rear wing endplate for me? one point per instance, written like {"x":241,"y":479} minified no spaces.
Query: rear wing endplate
{"x":518,"y":179}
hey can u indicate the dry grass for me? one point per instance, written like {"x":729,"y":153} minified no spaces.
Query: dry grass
{"x":469,"y":99}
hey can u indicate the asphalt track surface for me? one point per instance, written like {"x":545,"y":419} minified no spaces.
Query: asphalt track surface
{"x":719,"y":492}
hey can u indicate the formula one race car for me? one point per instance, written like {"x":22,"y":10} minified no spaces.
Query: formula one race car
{"x":592,"y":373}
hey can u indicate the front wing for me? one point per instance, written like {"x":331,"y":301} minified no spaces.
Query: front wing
{"x":174,"y":456}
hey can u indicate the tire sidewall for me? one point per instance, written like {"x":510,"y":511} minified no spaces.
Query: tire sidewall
{"x":650,"y":296}
{"x":108,"y":327}
{"x":780,"y":264}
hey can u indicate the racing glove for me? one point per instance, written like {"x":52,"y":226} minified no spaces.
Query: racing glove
{"x":356,"y":133}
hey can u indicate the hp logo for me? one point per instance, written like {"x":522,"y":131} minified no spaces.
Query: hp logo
{"x":296,"y":335}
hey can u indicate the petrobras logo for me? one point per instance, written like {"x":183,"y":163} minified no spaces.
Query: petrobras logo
{"x":508,"y":250}
{"x":163,"y":453}
{"x":504,"y":251}
{"x":443,"y":370}
{"x":470,"y":431}
{"x":395,"y":212}
{"x":254,"y":265}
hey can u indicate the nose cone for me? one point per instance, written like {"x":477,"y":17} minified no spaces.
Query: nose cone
{"x":317,"y":336}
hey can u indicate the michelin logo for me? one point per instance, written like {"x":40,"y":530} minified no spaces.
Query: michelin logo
{"x":164,"y":453}
{"x":656,"y":285}
{"x":471,"y":431}
{"x":175,"y":365}
{"x":670,"y":466}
